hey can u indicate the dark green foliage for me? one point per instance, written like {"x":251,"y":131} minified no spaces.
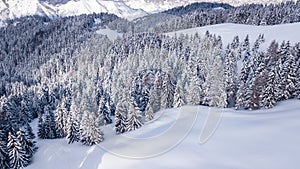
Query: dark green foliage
{"x":4,"y":160}
{"x":18,"y":157}
{"x":73,"y":129}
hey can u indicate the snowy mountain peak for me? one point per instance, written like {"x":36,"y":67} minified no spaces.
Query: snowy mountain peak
{"x":10,"y":9}
{"x":130,"y":9}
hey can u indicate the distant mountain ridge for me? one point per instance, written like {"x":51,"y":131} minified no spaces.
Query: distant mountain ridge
{"x":10,"y":9}
{"x":153,"y":6}
{"x":130,"y":9}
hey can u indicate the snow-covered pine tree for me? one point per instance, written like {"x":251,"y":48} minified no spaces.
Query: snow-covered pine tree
{"x":195,"y":87}
{"x":271,"y":56}
{"x":245,"y":49}
{"x":267,"y":96}
{"x":215,"y":92}
{"x":245,"y":75}
{"x":121,"y":112}
{"x":73,"y":128}
{"x":90,"y":132}
{"x":230,"y":73}
{"x":103,"y":111}
{"x":41,"y":128}
{"x":145,"y":97}
{"x":290,"y":76}
{"x":29,"y":132}
{"x":179,"y":96}
{"x":281,"y":71}
{"x":134,"y":118}
{"x":4,"y":160}
{"x":240,"y":96}
{"x":149,"y":114}
{"x":17,"y":155}
{"x":278,"y":89}
{"x":60,"y":120}
{"x":27,"y":144}
{"x":297,"y":54}
{"x":255,"y":88}
{"x":121,"y":116}
{"x":30,"y":138}
{"x":49,"y":124}
{"x":155,"y":92}
{"x":168,"y":92}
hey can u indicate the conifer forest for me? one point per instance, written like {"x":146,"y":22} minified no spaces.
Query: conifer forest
{"x":73,"y":81}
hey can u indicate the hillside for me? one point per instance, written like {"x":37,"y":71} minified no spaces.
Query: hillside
{"x":228,"y":31}
{"x":153,"y":6}
{"x":193,"y":136}
{"x":267,"y":138}
{"x":205,"y":86}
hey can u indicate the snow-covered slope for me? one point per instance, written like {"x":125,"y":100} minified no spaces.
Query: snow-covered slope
{"x":111,"y":34}
{"x":152,"y":6}
{"x":228,"y":30}
{"x":10,"y":9}
{"x":242,"y":139}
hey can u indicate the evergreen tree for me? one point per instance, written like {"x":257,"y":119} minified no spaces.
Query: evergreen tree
{"x":149,"y":113}
{"x":195,"y":88}
{"x":73,"y":129}
{"x":30,"y":138}
{"x":103,"y":111}
{"x":41,"y":128}
{"x":17,"y":155}
{"x":60,"y":120}
{"x":134,"y":118}
{"x":90,"y":132}
{"x":121,"y":113}
{"x":3,"y":154}
{"x":155,"y":93}
{"x":245,"y":49}
{"x":230,"y":73}
{"x":268,"y":99}
{"x":49,"y":124}
{"x":168,"y":92}
{"x":240,"y":96}
{"x":179,"y":98}
{"x":215,"y":92}
{"x":255,"y":88}
{"x":27,"y":145}
{"x":278,"y":88}
{"x":121,"y":117}
{"x":290,"y":75}
{"x":29,"y":132}
{"x":246,"y":76}
{"x":297,"y":54}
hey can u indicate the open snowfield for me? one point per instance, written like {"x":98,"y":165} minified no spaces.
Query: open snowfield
{"x":189,"y":138}
{"x":111,"y":34}
{"x":229,"y":30}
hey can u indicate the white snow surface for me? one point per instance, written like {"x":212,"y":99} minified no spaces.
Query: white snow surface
{"x":111,"y":34}
{"x":243,"y":139}
{"x":228,"y":31}
{"x":17,"y":8}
